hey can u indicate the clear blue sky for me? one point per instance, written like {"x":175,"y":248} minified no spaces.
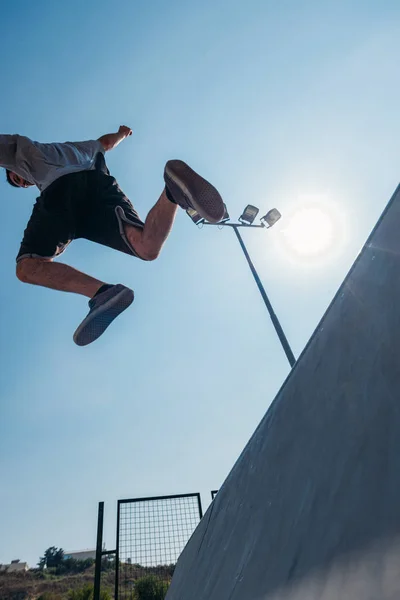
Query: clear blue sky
{"x":272,"y":101}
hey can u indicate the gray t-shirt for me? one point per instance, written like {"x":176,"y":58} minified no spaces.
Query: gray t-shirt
{"x":41,"y":164}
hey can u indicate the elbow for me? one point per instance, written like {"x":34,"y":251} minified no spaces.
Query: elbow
{"x":105,"y":142}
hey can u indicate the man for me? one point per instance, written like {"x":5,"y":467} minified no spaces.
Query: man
{"x":80,"y":199}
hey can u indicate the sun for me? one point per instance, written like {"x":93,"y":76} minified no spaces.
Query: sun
{"x":310,"y":231}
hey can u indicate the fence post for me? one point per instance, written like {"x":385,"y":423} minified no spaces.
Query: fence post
{"x":116,"y":592}
{"x":199,"y":505}
{"x":99,"y":549}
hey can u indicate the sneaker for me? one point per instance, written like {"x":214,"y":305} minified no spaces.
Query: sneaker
{"x":104,"y":308}
{"x":189,"y":190}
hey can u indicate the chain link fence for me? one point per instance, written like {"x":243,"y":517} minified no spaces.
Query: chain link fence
{"x":151,"y":534}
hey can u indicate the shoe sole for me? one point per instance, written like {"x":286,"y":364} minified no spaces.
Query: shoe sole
{"x":93,"y":326}
{"x":197,"y":192}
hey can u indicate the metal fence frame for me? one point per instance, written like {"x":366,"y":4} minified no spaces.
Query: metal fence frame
{"x":146,"y":499}
{"x":100,"y":553}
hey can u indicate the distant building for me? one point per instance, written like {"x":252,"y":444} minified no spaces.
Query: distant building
{"x":15,"y":566}
{"x":81,"y":555}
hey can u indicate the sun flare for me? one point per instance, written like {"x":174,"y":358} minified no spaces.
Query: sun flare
{"x":310,"y":231}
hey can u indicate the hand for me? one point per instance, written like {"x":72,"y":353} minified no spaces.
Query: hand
{"x":126,"y":131}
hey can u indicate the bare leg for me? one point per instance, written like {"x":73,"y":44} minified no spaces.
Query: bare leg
{"x":157,"y":227}
{"x":56,"y":276}
{"x":147,"y":243}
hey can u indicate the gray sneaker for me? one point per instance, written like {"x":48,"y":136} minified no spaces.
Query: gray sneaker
{"x":104,"y":308}
{"x":189,"y":190}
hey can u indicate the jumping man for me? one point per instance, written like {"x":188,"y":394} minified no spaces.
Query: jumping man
{"x":80,"y":199}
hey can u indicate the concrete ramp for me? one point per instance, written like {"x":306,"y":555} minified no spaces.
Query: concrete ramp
{"x":311,"y":509}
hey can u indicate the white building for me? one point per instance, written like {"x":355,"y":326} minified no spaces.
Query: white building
{"x":81,"y":555}
{"x":15,"y":566}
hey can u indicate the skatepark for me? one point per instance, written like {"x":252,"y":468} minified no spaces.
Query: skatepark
{"x":311,"y":509}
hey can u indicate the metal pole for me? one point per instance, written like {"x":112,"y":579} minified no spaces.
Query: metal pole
{"x":116,"y":590}
{"x":199,"y":505}
{"x":99,"y":550}
{"x":274,"y":318}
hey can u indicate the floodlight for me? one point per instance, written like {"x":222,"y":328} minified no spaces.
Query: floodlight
{"x":226,"y":216}
{"x":194,"y":215}
{"x":249,"y":214}
{"x":271,"y":217}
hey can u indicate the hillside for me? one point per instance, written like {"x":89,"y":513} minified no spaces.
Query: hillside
{"x":37,"y":585}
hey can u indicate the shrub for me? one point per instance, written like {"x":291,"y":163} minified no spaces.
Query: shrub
{"x":150,"y":588}
{"x":83,"y":593}
{"x":107,"y":563}
{"x":72,"y":565}
{"x":18,"y":595}
{"x":86,"y":593}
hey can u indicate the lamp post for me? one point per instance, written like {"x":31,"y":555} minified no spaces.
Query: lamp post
{"x":247,"y":220}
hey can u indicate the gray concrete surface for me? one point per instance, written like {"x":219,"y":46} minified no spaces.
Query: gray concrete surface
{"x":311,"y":509}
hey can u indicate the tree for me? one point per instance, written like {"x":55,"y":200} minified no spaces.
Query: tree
{"x":52,"y":558}
{"x":72,"y":565}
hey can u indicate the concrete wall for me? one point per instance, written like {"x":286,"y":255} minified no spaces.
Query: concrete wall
{"x":311,"y":510}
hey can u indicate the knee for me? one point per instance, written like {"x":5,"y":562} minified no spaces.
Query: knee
{"x":27,"y":267}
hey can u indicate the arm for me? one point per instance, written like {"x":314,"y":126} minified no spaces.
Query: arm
{"x":111,"y":140}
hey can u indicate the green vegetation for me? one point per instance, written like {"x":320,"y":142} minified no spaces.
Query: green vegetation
{"x":150,"y":588}
{"x":86,"y":593}
{"x":71,"y":565}
{"x":53,"y":562}
{"x":58,"y":578}
{"x":52,"y":558}
{"x":45,"y":585}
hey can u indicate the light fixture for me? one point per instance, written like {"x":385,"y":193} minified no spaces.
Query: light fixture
{"x":271,"y":217}
{"x":249,"y":214}
{"x":226,"y":216}
{"x":194,"y":215}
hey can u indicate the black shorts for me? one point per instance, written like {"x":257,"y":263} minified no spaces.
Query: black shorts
{"x":88,"y":204}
